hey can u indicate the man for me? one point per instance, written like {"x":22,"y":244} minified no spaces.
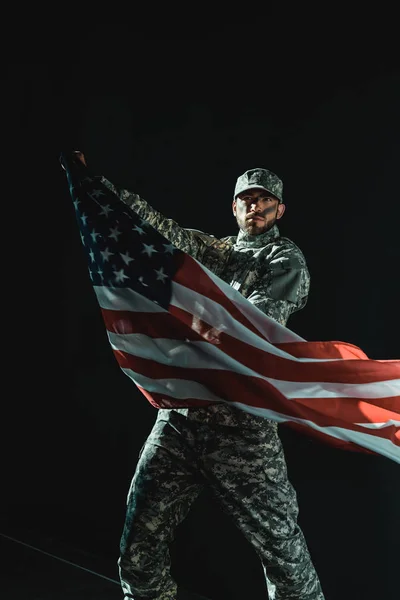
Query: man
{"x":239,"y":456}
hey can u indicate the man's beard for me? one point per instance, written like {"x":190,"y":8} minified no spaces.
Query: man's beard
{"x":254,"y":230}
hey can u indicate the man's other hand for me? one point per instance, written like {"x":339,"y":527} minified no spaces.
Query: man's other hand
{"x":80,"y":156}
{"x":77,"y":155}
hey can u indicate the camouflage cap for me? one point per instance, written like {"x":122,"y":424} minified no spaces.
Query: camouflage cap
{"x":260,"y":178}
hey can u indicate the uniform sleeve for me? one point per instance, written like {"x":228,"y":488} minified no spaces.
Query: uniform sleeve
{"x":191,"y":241}
{"x":284,"y":288}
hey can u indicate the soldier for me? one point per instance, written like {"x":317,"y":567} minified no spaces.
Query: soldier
{"x":239,"y":456}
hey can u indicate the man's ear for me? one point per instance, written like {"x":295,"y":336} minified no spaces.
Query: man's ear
{"x":234,"y":207}
{"x":281,"y":210}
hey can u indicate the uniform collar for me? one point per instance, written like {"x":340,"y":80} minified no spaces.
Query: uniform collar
{"x":245,"y":240}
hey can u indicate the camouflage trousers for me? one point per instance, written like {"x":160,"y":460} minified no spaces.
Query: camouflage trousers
{"x":240,"y":458}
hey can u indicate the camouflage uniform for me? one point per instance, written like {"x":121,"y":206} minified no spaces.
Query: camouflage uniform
{"x":238,"y":455}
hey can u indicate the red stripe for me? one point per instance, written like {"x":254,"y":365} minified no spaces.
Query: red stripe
{"x":325,"y":350}
{"x":378,"y":410}
{"x":180,"y":326}
{"x":154,"y":325}
{"x":191,"y":275}
{"x":252,"y":391}
{"x":162,"y":401}
{"x":270,"y":365}
{"x":166,"y":401}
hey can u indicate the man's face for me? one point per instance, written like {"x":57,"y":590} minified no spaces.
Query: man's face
{"x":256,"y":211}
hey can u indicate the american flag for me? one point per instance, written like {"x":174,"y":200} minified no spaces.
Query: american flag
{"x":186,"y":338}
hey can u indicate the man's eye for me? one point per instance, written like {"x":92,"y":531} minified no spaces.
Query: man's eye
{"x":251,"y":199}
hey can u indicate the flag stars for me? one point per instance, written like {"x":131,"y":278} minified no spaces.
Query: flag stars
{"x":161,"y":276}
{"x":149,"y":249}
{"x":115,"y":233}
{"x":97,"y":193}
{"x":94,"y":235}
{"x":84,"y":219}
{"x":91,"y":254}
{"x":138,"y":229}
{"x":169,"y":248}
{"x":76,"y":203}
{"x":120,"y":276}
{"x":105,"y":210}
{"x":106,"y":254}
{"x":126,"y":258}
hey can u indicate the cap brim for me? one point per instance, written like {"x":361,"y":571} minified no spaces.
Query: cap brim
{"x":257,"y":187}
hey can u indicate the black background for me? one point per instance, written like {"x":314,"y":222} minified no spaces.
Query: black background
{"x":176,"y":113}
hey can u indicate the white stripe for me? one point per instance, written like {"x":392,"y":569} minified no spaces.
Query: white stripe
{"x":220,"y":319}
{"x":182,"y":389}
{"x":125,"y":299}
{"x":274,"y":331}
{"x":215,"y":315}
{"x":203,"y":355}
{"x":199,"y":306}
{"x":205,"y":309}
{"x":388,"y":423}
{"x":371,"y":442}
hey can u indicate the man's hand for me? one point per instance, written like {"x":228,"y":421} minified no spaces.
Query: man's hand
{"x":78,"y":155}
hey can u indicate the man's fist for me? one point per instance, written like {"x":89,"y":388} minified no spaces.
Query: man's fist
{"x":77,"y":155}
{"x":80,"y":156}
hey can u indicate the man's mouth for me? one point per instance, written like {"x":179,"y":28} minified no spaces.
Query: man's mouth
{"x":255,"y":218}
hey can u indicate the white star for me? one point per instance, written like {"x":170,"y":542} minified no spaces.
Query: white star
{"x":106,"y":254}
{"x":97,"y":193}
{"x":76,"y":202}
{"x":115,"y":233}
{"x":161,"y":276}
{"x":83,"y":219}
{"x":126,"y":258}
{"x":94,"y":235}
{"x":100,"y":272}
{"x":120,"y":276}
{"x":105,"y":210}
{"x":141,"y":281}
{"x":148,"y":249}
{"x":91,"y":254}
{"x":138,"y":229}
{"x":82,"y":239}
{"x":169,"y":248}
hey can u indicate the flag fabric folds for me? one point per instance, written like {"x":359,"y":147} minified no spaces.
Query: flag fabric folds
{"x":187,"y":338}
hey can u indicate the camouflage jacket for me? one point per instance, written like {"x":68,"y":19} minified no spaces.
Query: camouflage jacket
{"x":267,"y":269}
